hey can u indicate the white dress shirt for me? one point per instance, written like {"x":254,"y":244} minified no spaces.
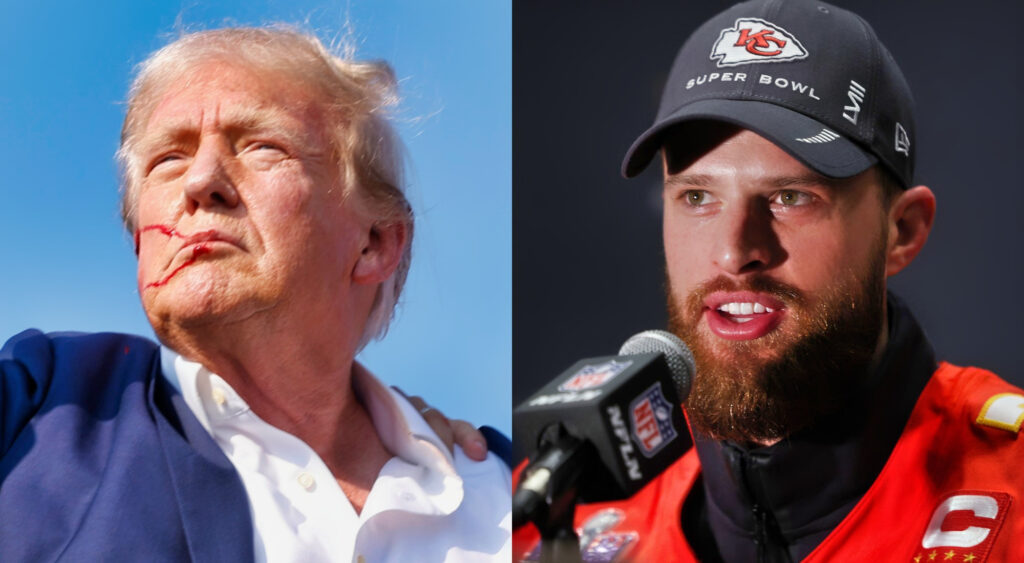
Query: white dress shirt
{"x":426,"y":505}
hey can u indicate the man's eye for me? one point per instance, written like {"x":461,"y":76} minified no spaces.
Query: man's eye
{"x":165,"y":159}
{"x":264,"y":153}
{"x":790,"y":198}
{"x":697,"y":198}
{"x":261,"y":146}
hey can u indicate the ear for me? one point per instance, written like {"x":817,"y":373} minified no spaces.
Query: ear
{"x":910,"y":221}
{"x":381,"y":253}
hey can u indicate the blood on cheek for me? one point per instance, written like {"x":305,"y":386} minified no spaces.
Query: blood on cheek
{"x":162,"y":228}
{"x":198,"y":250}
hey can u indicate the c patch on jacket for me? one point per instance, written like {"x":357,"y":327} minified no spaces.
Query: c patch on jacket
{"x":963,"y":527}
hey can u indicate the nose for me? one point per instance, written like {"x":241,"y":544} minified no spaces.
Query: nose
{"x":208,"y":184}
{"x":747,"y":242}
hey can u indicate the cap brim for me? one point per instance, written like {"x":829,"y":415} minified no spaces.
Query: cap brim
{"x":817,"y":146}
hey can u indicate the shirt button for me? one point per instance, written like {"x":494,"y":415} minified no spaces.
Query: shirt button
{"x":218,"y":396}
{"x":307,"y":481}
{"x":360,"y":559}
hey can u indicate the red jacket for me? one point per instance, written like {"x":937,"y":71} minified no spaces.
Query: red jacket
{"x":952,"y":490}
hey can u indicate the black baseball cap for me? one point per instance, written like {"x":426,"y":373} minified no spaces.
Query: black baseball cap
{"x":812,"y":78}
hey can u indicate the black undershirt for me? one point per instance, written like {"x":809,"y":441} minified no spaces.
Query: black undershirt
{"x":777,"y":503}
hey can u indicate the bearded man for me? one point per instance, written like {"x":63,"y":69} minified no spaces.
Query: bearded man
{"x":262,"y":184}
{"x":824,"y":429}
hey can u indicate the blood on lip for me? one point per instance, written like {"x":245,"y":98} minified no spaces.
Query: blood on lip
{"x":198,"y":250}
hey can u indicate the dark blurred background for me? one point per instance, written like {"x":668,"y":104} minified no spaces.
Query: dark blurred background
{"x":587,"y":259}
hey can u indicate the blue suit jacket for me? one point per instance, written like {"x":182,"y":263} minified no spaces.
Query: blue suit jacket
{"x":100,"y":459}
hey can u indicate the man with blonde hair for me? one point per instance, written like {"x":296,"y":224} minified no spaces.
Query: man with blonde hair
{"x":262,"y":186}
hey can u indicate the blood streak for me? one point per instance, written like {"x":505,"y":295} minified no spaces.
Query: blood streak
{"x":197,"y":251}
{"x":162,"y":228}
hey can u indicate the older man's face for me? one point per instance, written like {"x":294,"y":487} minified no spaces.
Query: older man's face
{"x":776,"y":280}
{"x":240,"y":207}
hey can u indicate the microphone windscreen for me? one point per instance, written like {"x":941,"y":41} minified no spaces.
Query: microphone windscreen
{"x":677,"y":355}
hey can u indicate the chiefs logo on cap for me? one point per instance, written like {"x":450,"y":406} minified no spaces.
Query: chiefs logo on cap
{"x":753,"y":40}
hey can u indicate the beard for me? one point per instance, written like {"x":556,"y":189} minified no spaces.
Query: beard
{"x":765,"y":389}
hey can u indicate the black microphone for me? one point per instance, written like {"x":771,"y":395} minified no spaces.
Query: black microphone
{"x":605,"y":427}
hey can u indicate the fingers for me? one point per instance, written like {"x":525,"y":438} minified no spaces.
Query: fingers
{"x":470,"y":440}
{"x":451,"y":432}
{"x":437,"y":421}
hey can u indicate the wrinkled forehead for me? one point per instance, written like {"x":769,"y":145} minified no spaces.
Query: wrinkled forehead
{"x":247,"y":87}
{"x":234,"y":99}
{"x":266,"y":85}
{"x":235,"y":95}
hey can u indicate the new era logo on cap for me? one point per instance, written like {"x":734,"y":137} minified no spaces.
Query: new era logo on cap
{"x":753,"y":40}
{"x":902,"y":140}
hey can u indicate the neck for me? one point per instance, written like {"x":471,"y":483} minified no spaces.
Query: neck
{"x":299,"y":381}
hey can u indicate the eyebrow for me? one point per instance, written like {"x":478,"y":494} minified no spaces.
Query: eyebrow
{"x":249,"y":118}
{"x":706,"y":180}
{"x":233,"y":121}
{"x":809,"y":179}
{"x":150,"y":141}
{"x":698,"y":180}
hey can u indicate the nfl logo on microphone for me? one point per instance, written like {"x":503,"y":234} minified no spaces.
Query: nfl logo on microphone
{"x":651,"y":420}
{"x":590,"y":376}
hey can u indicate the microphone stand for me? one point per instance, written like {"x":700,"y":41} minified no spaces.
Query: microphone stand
{"x":549,"y":491}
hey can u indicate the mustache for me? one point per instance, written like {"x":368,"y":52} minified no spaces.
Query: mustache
{"x":784,"y":292}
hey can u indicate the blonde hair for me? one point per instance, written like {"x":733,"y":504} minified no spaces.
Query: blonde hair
{"x":357,"y":93}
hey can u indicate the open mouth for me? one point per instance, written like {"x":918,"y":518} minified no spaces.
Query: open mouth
{"x":743,"y":317}
{"x":743,"y":312}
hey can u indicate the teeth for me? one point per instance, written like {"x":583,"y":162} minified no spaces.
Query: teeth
{"x":744,"y":308}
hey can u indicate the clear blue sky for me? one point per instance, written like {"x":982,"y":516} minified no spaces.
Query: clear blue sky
{"x":66,"y":264}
